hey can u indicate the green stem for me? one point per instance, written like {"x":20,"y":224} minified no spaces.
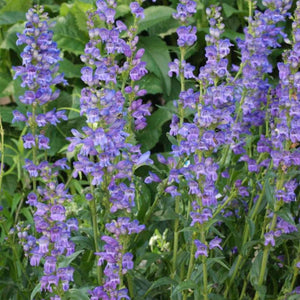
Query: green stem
{"x":223,"y":205}
{"x":130,"y":285}
{"x":2,"y":152}
{"x":161,"y":189}
{"x":245,"y":238}
{"x":205,"y":291}
{"x":190,"y":267}
{"x":264,"y":262}
{"x":232,"y":278}
{"x":182,"y":87}
{"x":93,"y":209}
{"x":176,"y":235}
{"x":246,"y":280}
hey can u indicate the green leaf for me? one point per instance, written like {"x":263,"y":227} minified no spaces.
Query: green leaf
{"x":11,"y":17}
{"x":157,"y":58}
{"x":67,"y":261}
{"x":15,"y":201}
{"x":26,"y":212}
{"x":285,"y":214}
{"x":233,"y":35}
{"x":143,"y":200}
{"x":255,"y":268}
{"x":68,"y":36}
{"x":185,"y":285}
{"x":6,"y":114}
{"x":78,"y":294}
{"x":160,"y":282}
{"x":69,"y":69}
{"x":76,"y":94}
{"x":151,"y":134}
{"x":251,"y":227}
{"x":35,"y":291}
{"x":218,"y":261}
{"x":248,"y":246}
{"x":10,"y":39}
{"x":78,"y":9}
{"x":229,"y":10}
{"x":6,"y":84}
{"x":83,"y":242}
{"x":169,"y":214}
{"x":155,"y":15}
{"x":269,"y":193}
{"x":151,"y":83}
{"x":122,"y":10}
{"x":17,"y":5}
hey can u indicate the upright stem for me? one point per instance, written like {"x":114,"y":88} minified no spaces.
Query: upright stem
{"x":203,"y":239}
{"x":176,"y":234}
{"x":245,"y":239}
{"x":93,"y":209}
{"x":182,"y":87}
{"x":2,"y":152}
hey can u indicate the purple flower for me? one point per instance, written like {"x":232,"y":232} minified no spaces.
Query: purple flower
{"x":215,"y":243}
{"x":186,"y":36}
{"x":269,"y":239}
{"x":201,"y":249}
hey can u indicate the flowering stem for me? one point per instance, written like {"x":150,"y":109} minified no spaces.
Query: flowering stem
{"x":224,"y":204}
{"x":205,"y":292}
{"x":190,"y":267}
{"x":265,"y":258}
{"x":246,"y":280}
{"x":2,"y":152}
{"x":156,"y":200}
{"x":34,"y":148}
{"x":182,"y":87}
{"x":176,"y":234}
{"x":245,"y":238}
{"x":95,"y":231}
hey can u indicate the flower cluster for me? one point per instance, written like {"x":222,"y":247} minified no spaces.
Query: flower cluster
{"x":209,"y":130}
{"x":106,"y":154}
{"x":39,"y":73}
{"x":285,"y":117}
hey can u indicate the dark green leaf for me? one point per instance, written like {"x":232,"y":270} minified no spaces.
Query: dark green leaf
{"x":255,"y":268}
{"x":151,"y":83}
{"x":286,"y":215}
{"x":151,"y":134}
{"x":35,"y":291}
{"x":17,"y":5}
{"x":67,"y":261}
{"x":83,"y":242}
{"x":169,"y":214}
{"x":160,"y":282}
{"x":218,"y":261}
{"x":122,"y":10}
{"x":69,"y":69}
{"x":78,"y":9}
{"x":185,"y":285}
{"x":155,"y":15}
{"x":6,"y":114}
{"x":229,"y":10}
{"x":157,"y":58}
{"x":11,"y":17}
{"x":68,"y":36}
{"x":76,"y":294}
{"x":11,"y":37}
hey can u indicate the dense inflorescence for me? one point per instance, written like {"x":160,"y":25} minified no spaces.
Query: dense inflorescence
{"x":228,"y":204}
{"x":39,"y":73}
{"x":107,"y":155}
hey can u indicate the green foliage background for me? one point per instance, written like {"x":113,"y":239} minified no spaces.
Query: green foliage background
{"x":18,"y":280}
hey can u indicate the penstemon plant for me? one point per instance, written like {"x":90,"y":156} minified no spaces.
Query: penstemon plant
{"x":178,"y":174}
{"x":51,"y":241}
